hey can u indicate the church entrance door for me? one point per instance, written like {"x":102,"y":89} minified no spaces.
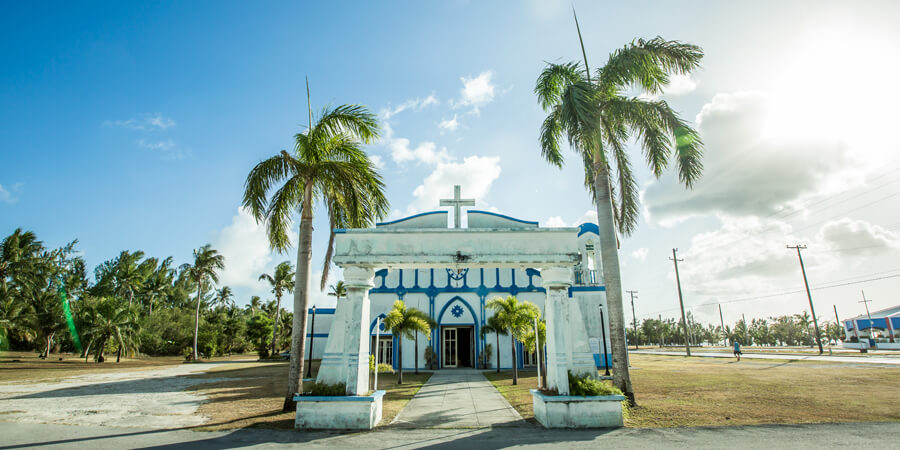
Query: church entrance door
{"x":458,"y":344}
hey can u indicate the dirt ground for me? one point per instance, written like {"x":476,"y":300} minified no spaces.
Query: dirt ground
{"x":677,"y":391}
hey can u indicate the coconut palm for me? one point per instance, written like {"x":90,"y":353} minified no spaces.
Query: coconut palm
{"x":255,"y":304}
{"x":129,"y":274}
{"x":110,"y":319}
{"x":159,"y":283}
{"x":514,"y":317}
{"x":403,"y":322}
{"x":338,"y":291}
{"x":281,"y":280}
{"x":207,"y":263}
{"x":329,"y":166}
{"x":493,"y":325}
{"x":597,"y":118}
{"x":224,"y":296}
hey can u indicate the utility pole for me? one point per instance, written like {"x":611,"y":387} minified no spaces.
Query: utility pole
{"x":808,"y":295}
{"x":722,"y":321}
{"x":838,"y":319}
{"x":662,"y":337}
{"x":687,"y":341}
{"x":746,"y":330}
{"x":634,"y":319}
{"x":871,"y":325}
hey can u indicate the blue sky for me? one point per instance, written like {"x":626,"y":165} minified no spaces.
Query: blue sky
{"x":133,"y":127}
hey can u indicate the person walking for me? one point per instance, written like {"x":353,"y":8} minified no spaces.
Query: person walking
{"x":737,"y":350}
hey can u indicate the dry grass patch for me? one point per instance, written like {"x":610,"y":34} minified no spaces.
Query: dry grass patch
{"x":678,"y":391}
{"x":253,"y":396}
{"x":27,"y":367}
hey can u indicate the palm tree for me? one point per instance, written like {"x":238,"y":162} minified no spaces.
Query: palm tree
{"x":532,"y":346}
{"x":159,"y":283}
{"x":224,"y":296}
{"x":255,"y":303}
{"x":328,"y":165}
{"x":402,"y":322}
{"x":207,"y":263}
{"x":514,"y":317}
{"x":129,"y":274}
{"x":110,"y":318}
{"x":597,"y":118}
{"x":493,"y":325}
{"x":338,"y":291}
{"x":283,"y":280}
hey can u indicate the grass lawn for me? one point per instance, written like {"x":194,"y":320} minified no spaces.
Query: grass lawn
{"x":254,"y":396}
{"x":26,"y":366}
{"x":677,"y":391}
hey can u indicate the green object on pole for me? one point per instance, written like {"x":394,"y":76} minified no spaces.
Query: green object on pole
{"x":69,"y":319}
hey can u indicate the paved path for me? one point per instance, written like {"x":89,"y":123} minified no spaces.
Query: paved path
{"x":457,"y":398}
{"x":841,"y":359}
{"x":768,"y":437}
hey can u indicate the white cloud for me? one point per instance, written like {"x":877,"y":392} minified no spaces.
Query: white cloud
{"x":857,"y":237}
{"x":416,"y":104}
{"x":554,"y":222}
{"x":167,"y":147}
{"x":10,"y":195}
{"x":476,"y":91}
{"x":426,"y":152}
{"x":449,"y":125}
{"x":589,"y":216}
{"x":640,"y":254}
{"x":748,"y":171}
{"x":246,"y":249}
{"x":680,"y":85}
{"x":146,"y":122}
{"x":475,"y":174}
{"x":377,"y":161}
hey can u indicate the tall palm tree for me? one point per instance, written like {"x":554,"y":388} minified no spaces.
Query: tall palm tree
{"x":328,"y":165}
{"x":493,"y":325}
{"x":159,"y":283}
{"x":224,"y":296}
{"x":597,"y":118}
{"x":110,"y":319}
{"x":514,"y":317}
{"x":403,"y":322}
{"x":338,"y":291}
{"x":281,"y":280}
{"x":207,"y":263}
{"x":129,"y":274}
{"x":255,"y":304}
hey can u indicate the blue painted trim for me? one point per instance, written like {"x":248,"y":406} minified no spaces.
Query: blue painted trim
{"x":339,"y":230}
{"x":394,"y":352}
{"x":345,"y":398}
{"x":323,"y":310}
{"x":599,"y":364}
{"x":372,"y":327}
{"x":576,"y":398}
{"x":528,"y":222}
{"x":381,"y":224}
{"x":319,"y":335}
{"x":588,"y":228}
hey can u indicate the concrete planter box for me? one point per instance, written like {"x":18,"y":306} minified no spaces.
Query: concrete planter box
{"x":349,"y":412}
{"x":563,"y":411}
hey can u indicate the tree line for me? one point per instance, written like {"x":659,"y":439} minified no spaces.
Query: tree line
{"x":787,"y":330}
{"x":133,"y":304}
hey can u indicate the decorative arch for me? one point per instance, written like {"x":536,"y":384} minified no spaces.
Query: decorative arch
{"x":475,"y":322}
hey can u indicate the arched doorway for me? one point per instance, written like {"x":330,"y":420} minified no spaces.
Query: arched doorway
{"x":458,"y":334}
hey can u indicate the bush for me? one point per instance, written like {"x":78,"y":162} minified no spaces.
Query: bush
{"x":382,"y":367}
{"x":584,"y":385}
{"x":328,"y":390}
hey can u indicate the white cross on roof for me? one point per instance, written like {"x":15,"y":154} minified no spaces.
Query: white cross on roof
{"x":457,"y":203}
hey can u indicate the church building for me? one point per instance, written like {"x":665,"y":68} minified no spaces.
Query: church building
{"x":455,"y":298}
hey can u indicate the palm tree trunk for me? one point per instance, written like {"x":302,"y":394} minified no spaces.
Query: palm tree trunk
{"x":119,"y":354}
{"x":151,"y":308}
{"x":498,"y":351}
{"x":609,"y":254}
{"x":399,"y":360}
{"x":277,"y":321}
{"x":512,"y":344}
{"x":417,"y":351}
{"x":196,"y":356}
{"x":301,"y":302}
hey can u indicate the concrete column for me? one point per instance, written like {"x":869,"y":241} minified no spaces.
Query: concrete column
{"x":346,"y":357}
{"x":556,"y":280}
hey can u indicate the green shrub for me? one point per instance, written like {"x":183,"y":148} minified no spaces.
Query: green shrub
{"x":328,"y":390}
{"x":584,"y":385}
{"x":385,"y":368}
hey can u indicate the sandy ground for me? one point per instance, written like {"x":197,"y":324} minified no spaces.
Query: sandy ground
{"x":142,"y":398}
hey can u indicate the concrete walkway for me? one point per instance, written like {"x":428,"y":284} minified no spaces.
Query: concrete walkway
{"x":839,"y":359}
{"x":457,"y":398}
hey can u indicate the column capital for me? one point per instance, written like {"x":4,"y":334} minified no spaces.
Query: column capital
{"x":557,"y":276}
{"x":359,"y":277}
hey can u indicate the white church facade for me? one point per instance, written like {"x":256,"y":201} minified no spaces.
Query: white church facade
{"x":456,"y":297}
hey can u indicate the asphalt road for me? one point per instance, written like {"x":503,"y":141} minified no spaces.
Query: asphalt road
{"x":859,"y":435}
